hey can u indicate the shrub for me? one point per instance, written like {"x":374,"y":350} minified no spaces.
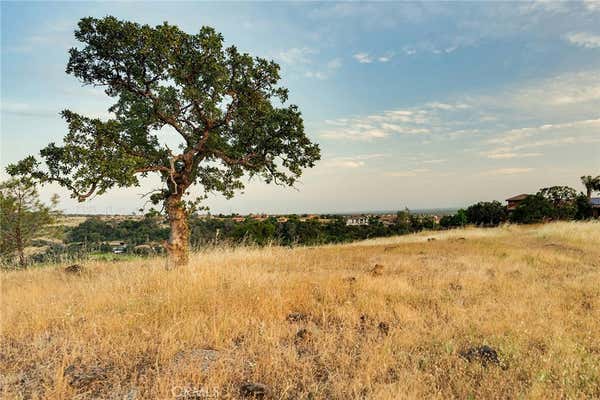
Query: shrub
{"x":533,"y":209}
{"x":487,"y":213}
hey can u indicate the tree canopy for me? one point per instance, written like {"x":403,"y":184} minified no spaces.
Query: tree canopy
{"x":225,"y":107}
{"x":533,"y":209}
{"x":22,"y":217}
{"x":489,"y":213}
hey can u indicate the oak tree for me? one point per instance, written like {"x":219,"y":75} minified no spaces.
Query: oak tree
{"x":226,"y":108}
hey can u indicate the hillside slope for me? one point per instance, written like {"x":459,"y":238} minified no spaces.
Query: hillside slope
{"x":317,"y":323}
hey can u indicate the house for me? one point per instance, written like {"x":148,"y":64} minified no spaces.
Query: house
{"x":388,"y":219}
{"x":308,"y":217}
{"x":514,"y":201}
{"x":357,"y":220}
{"x":595,"y":203}
{"x":259,"y":217}
{"x":118,"y":247}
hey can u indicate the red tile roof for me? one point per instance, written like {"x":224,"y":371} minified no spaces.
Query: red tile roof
{"x":518,"y":197}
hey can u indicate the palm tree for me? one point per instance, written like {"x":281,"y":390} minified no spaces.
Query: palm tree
{"x":591,"y":184}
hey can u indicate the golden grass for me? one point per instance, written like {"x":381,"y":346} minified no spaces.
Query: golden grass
{"x":135,"y":330}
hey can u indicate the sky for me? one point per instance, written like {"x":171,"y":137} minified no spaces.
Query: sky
{"x":418,"y":105}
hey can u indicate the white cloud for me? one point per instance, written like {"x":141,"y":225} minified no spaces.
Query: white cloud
{"x":519,"y":143}
{"x":356,"y":134}
{"x":334,"y":63}
{"x":407,"y":173}
{"x":325,"y":72}
{"x":438,"y":161}
{"x":403,"y":129}
{"x":28,"y":110}
{"x":448,"y":107}
{"x":549,"y":6}
{"x":296,"y":55}
{"x":563,"y":91}
{"x":346,"y":163}
{"x":378,"y":126}
{"x":363,"y":58}
{"x":508,"y":171}
{"x":441,"y":45}
{"x":352,"y":162}
{"x":315,"y":74}
{"x":386,"y":57}
{"x":583,"y":39}
{"x":592,"y":5}
{"x":560,"y":141}
{"x":432,"y":118}
{"x":366,"y":58}
{"x":519,"y":134}
{"x":503,"y":156}
{"x":15,"y":108}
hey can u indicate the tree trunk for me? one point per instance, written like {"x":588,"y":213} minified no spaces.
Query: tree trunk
{"x":22,"y":259}
{"x":20,"y":248}
{"x":178,"y":244}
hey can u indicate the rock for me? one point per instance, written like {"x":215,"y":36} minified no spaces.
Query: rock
{"x":254,"y":390}
{"x":131,"y":394}
{"x":302,"y":335}
{"x":297,"y":317}
{"x":239,"y":340}
{"x":82,"y":377}
{"x":484,"y":354}
{"x":384,"y":328}
{"x":73,"y":269}
{"x":377,"y":270}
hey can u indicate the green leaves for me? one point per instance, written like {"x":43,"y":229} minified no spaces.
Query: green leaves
{"x":22,"y":215}
{"x":226,"y":108}
{"x":591,"y":184}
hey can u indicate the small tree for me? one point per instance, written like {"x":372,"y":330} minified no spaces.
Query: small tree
{"x":583,"y":207}
{"x":533,"y":209}
{"x":488,"y":213}
{"x":22,"y":216}
{"x":563,"y":200}
{"x":225,"y":107}
{"x":457,"y":220}
{"x":402,"y":223}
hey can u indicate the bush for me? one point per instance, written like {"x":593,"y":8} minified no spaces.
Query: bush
{"x":452,"y":221}
{"x":134,"y":232}
{"x":487,"y":213}
{"x":583,"y":208}
{"x":533,"y":209}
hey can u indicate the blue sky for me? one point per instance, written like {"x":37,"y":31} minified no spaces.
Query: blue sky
{"x":413,"y":104}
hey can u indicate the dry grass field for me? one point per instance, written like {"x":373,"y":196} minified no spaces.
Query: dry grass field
{"x":316,"y":323}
